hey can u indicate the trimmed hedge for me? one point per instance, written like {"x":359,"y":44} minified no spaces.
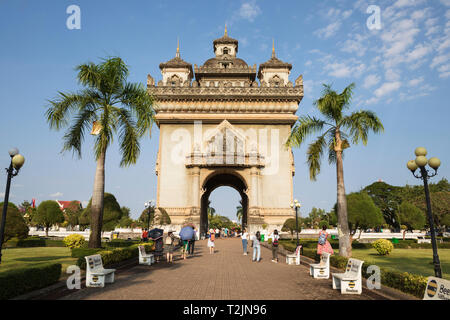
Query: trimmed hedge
{"x":406,"y":282}
{"x":119,"y":243}
{"x":33,"y":242}
{"x":82,"y":252}
{"x":113,"y":256}
{"x":19,"y":281}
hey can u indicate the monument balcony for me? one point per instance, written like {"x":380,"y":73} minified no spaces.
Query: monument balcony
{"x":225,"y":159}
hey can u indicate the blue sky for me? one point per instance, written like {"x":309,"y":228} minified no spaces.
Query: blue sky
{"x":402,"y":72}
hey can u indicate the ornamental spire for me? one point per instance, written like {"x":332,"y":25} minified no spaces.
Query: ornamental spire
{"x":226,"y":31}
{"x":273,"y":48}
{"x":178,"y":48}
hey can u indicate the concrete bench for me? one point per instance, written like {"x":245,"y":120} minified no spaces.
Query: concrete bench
{"x":321,"y":270}
{"x":295,"y":257}
{"x":144,"y":257}
{"x":96,"y":275}
{"x":350,"y":282}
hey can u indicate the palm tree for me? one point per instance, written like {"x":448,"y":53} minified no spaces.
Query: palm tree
{"x":239,"y":212}
{"x":336,"y":132}
{"x":118,"y":107}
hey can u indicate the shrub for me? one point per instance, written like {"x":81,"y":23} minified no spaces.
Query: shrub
{"x":74,"y":241}
{"x":269,"y":241}
{"x":120,"y":243}
{"x":113,"y":256}
{"x":30,"y":242}
{"x":82,"y":252}
{"x":383,"y":246}
{"x":19,"y":281}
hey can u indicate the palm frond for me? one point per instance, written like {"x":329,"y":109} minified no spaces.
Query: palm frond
{"x":360,"y":123}
{"x":305,"y":126}
{"x":62,"y":107}
{"x":128,"y":138}
{"x":314,"y":154}
{"x":89,"y":75}
{"x":136,"y":98}
{"x":75,"y":136}
{"x":331,"y":151}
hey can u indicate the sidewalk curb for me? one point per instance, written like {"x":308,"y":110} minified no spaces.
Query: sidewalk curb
{"x":383,"y":293}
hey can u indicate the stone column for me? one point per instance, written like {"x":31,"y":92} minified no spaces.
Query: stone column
{"x":254,"y":187}
{"x":196,"y":187}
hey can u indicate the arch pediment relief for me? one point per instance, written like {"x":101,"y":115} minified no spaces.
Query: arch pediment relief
{"x":225,"y":146}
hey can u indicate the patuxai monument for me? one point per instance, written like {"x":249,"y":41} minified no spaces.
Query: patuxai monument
{"x":220,"y":126}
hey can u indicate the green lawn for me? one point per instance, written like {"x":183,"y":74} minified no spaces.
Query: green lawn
{"x":21,"y":257}
{"x":418,"y":261}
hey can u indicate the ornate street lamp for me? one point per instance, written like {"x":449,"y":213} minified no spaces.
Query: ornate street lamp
{"x":297,"y":206}
{"x":419,"y":163}
{"x":17,"y":161}
{"x":149,"y":205}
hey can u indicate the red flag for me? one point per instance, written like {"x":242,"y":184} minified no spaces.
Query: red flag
{"x":34,"y":202}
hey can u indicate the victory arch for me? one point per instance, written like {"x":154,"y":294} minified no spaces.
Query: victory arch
{"x":220,"y":127}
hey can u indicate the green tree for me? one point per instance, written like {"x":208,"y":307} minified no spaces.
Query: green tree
{"x":72,"y":213}
{"x":387,"y":198}
{"x":337,"y":130}
{"x":290,"y":226}
{"x":15,"y":224}
{"x":316,"y":215}
{"x":411,"y":216}
{"x":144,"y":217}
{"x":112,"y":213}
{"x":362,"y":213}
{"x":117,"y":106}
{"x":163,"y":217}
{"x":48,"y":214}
{"x":240,"y":212}
{"x":440,"y":206}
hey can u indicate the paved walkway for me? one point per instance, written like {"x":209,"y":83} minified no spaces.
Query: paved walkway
{"x":227,"y":274}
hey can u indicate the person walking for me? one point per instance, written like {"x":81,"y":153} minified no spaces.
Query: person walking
{"x":192,"y":242}
{"x":169,"y":244}
{"x":244,"y":241}
{"x":211,"y":240}
{"x":275,"y":238}
{"x":256,"y":246}
{"x":323,"y":244}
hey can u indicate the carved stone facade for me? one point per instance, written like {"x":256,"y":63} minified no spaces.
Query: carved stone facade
{"x":219,"y":127}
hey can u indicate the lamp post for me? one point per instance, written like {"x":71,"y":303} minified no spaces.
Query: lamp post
{"x":297,"y":206}
{"x":419,"y":163}
{"x":17,"y":161}
{"x":148,"y":206}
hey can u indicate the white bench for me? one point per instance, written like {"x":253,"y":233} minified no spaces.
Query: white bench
{"x":295,"y":257}
{"x":437,"y":289}
{"x":321,"y":270}
{"x":144,"y":257}
{"x":350,"y":282}
{"x":96,"y":275}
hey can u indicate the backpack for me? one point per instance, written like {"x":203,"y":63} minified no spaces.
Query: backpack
{"x":322,"y":238}
{"x":275,"y":242}
{"x":169,"y":240}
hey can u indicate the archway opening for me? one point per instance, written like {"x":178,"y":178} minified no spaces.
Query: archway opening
{"x":219,"y":180}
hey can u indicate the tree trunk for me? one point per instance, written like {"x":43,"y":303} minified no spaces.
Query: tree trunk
{"x":95,"y":240}
{"x":46,"y":231}
{"x":404,"y":231}
{"x":345,"y":248}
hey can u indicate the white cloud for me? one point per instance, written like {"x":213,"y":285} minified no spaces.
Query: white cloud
{"x":444,"y":71}
{"x":343,"y":70}
{"x":447,"y":14}
{"x":387,"y":88}
{"x":56,"y":194}
{"x":249,"y":11}
{"x":329,"y":30}
{"x":371,"y":80}
{"x":440,"y":59}
{"x":446,"y":2}
{"x":415,"y":82}
{"x":392,"y":75}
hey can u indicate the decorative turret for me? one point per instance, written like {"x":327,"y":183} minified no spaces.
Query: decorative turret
{"x":274,"y":72}
{"x":225,"y":45}
{"x":176,"y":72}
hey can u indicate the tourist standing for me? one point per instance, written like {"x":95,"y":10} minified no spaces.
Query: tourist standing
{"x":211,"y":240}
{"x":244,"y":237}
{"x":256,"y":238}
{"x":192,"y":242}
{"x":169,"y":244}
{"x":323,"y":244}
{"x":275,"y":238}
{"x":145,"y":235}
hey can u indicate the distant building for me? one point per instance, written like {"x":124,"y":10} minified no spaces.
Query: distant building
{"x":74,"y":205}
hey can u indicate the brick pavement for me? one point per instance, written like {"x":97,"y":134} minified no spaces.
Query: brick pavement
{"x":227,"y":274}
